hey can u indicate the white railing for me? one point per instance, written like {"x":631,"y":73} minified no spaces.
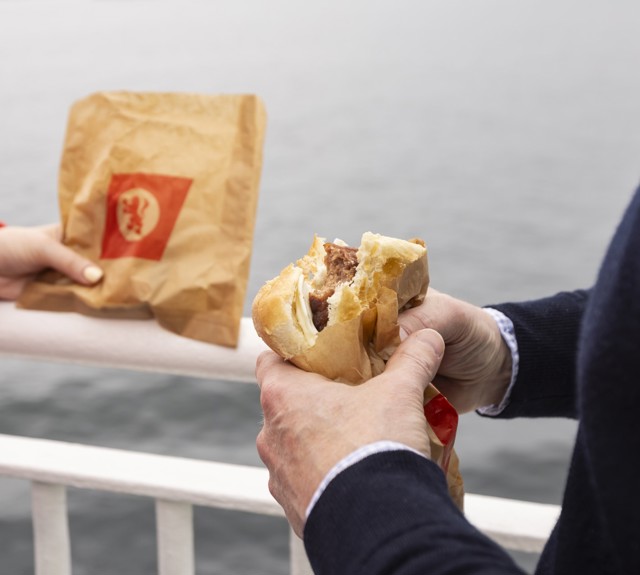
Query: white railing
{"x":175,"y":483}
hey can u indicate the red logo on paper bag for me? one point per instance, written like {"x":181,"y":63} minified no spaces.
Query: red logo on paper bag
{"x":142,"y":210}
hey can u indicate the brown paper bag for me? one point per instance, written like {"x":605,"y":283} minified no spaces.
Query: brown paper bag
{"x":160,"y":190}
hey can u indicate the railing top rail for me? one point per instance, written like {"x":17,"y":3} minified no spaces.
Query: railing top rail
{"x":131,"y":344}
{"x":199,"y":482}
{"x":516,"y":524}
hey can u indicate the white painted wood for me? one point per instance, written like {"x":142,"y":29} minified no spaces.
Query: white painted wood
{"x":174,"y":526}
{"x":514,"y":524}
{"x":50,"y":529}
{"x":192,"y":481}
{"x":298,"y":561}
{"x":131,"y":344}
{"x":520,"y":525}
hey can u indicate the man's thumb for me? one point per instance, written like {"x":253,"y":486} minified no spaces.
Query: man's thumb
{"x":418,"y":357}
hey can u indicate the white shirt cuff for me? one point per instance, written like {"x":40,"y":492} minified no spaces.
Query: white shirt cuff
{"x":505,"y":325}
{"x":353,"y":458}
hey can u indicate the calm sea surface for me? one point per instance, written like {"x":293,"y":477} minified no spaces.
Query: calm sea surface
{"x":506,"y":134}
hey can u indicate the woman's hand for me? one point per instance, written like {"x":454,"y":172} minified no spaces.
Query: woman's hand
{"x":26,"y":251}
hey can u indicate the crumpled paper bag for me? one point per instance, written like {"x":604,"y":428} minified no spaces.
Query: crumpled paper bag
{"x":160,"y":190}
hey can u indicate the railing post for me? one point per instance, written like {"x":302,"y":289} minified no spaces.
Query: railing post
{"x":50,"y":529}
{"x":174,"y":524}
{"x":298,"y":556}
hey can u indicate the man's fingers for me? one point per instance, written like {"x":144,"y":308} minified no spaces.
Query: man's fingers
{"x":66,"y":261}
{"x":270,"y":364}
{"x":265,"y":362}
{"x":417,"y":318}
{"x":410,"y":322}
{"x":418,"y":357}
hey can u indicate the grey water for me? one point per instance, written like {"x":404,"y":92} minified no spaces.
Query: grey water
{"x":506,"y":134}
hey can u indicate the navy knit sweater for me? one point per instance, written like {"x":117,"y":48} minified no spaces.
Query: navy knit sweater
{"x":579,"y":357}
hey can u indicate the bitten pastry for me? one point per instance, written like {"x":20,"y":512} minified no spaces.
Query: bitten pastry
{"x":335,"y":310}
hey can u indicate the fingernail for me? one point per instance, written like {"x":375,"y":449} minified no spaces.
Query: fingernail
{"x":403,"y":334}
{"x":433,"y":337}
{"x":92,"y":274}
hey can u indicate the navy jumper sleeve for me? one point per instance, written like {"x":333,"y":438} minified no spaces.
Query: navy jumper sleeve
{"x":391,"y":514}
{"x":547,"y":333}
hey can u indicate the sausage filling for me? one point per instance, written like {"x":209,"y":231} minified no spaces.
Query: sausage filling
{"x":341,"y":263}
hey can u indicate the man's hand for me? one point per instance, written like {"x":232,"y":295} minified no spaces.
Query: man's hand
{"x":476,"y":367}
{"x":26,"y":251}
{"x":311,"y":423}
